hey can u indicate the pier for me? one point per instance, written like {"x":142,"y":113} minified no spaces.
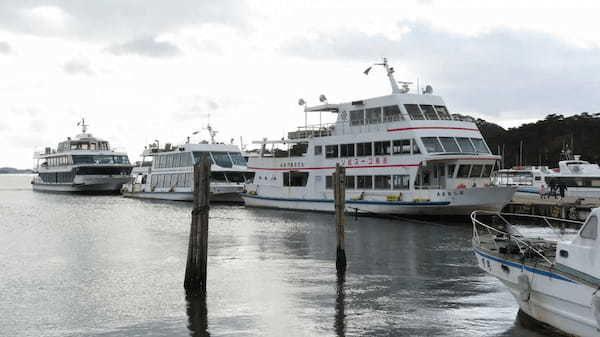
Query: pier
{"x":572,"y":208}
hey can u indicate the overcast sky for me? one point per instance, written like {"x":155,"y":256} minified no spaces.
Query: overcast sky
{"x":144,"y":70}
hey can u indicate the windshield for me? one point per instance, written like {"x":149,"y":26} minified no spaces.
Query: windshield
{"x":222,"y":159}
{"x":237,"y":158}
{"x":100,"y":159}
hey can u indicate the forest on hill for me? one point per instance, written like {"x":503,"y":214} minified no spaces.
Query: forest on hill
{"x":544,"y":140}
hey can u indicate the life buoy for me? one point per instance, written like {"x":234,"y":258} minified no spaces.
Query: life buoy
{"x":524,"y":287}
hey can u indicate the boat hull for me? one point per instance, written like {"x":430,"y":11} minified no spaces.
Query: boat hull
{"x":233,"y":197}
{"x":491,"y":199}
{"x":552,"y":297}
{"x":79,"y":188}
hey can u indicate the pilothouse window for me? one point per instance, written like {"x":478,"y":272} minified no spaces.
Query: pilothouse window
{"x":391,"y":113}
{"x":357,"y":117}
{"x":432,"y":144}
{"x":413,"y":111}
{"x":465,"y":145}
{"x":429,"y":112}
{"x":374,"y":115}
{"x":449,"y":144}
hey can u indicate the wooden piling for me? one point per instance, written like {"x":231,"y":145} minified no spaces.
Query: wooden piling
{"x":195,"y":270}
{"x":340,"y":219}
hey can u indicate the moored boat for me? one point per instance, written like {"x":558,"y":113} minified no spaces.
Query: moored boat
{"x":552,"y":271}
{"x":167,"y":173}
{"x":85,"y":164}
{"x":403,"y":153}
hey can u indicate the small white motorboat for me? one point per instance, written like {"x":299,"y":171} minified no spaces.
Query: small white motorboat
{"x":553,"y":271}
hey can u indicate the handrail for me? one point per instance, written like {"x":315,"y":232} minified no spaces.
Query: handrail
{"x":520,"y":243}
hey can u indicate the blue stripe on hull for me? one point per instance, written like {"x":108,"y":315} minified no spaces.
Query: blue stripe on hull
{"x":521,"y":266}
{"x":370,"y":202}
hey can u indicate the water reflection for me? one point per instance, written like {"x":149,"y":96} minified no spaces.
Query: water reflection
{"x":197,"y":316}
{"x":340,"y":314}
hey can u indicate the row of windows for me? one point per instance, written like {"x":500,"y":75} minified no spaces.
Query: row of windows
{"x":184,"y":159}
{"x":57,"y":177}
{"x":57,"y":161}
{"x":397,"y":147}
{"x":425,"y":111}
{"x":454,"y":145}
{"x":185,"y":179}
{"x":471,"y":171}
{"x":375,"y":115}
{"x":380,"y":182}
{"x":100,"y":159}
{"x":89,"y":146}
{"x":392,"y":113}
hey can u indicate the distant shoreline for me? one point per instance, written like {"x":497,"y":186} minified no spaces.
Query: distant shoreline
{"x":11,"y":170}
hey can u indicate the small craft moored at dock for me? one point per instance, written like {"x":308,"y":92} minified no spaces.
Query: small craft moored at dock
{"x":403,"y":153}
{"x":81,"y":164}
{"x":553,"y":272}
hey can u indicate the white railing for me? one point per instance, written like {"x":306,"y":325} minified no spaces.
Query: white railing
{"x":522,"y":242}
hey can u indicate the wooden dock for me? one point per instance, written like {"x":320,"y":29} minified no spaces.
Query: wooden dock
{"x":567,"y":208}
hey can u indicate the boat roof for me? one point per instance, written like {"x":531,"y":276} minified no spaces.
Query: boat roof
{"x":202,"y":147}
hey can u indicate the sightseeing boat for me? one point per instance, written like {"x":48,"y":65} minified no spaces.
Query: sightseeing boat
{"x":527,"y":179}
{"x":553,"y":271}
{"x":403,"y":153}
{"x":81,"y":164}
{"x":167,"y":173}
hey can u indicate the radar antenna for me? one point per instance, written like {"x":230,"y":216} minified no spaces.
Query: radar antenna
{"x":83,"y":125}
{"x":390,"y":72}
{"x":211,"y":132}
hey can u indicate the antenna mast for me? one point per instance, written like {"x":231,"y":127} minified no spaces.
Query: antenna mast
{"x":390,"y":73}
{"x":83,"y":125}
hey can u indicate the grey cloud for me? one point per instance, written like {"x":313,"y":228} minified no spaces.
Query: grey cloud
{"x":78,"y":66}
{"x":145,"y":46}
{"x":108,"y":19}
{"x":196,"y":107}
{"x":495,"y":72}
{"x":5,"y":48}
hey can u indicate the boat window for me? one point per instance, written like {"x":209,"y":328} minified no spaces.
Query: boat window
{"x":331,"y":151}
{"x":364,"y":182}
{"x":374,"y":115}
{"x":476,"y":171}
{"x":188,"y":159}
{"x":413,"y":111}
{"x":382,"y":148}
{"x":161,"y":180}
{"x":487,"y":170}
{"x":443,"y":112}
{"x":383,"y":182}
{"x":432,"y":144}
{"x":169,"y":160}
{"x":401,"y":182}
{"x":178,"y":160}
{"x":451,"y":168}
{"x":350,"y":182}
{"x":218,"y":176}
{"x":364,"y":149}
{"x":92,"y":146}
{"x":181,"y":180}
{"x":415,"y":148}
{"x":198,"y":157}
{"x":295,"y":178}
{"x":449,"y":144}
{"x":346,"y":150}
{"x":401,"y":146}
{"x":465,"y":145}
{"x":154,"y":180}
{"x":237,"y":159}
{"x":329,"y":182}
{"x":235,"y":177}
{"x":480,"y":145}
{"x":318,"y":150}
{"x":222,"y":159}
{"x":249,"y":176}
{"x":357,"y":117}
{"x":429,"y":111}
{"x":463,"y":171}
{"x":188,"y":179}
{"x":391,"y":113}
{"x":590,"y":230}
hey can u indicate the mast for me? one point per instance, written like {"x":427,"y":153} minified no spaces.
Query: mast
{"x":83,"y":125}
{"x":390,"y":73}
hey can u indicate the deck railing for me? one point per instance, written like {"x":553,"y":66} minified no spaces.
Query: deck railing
{"x":523,"y":243}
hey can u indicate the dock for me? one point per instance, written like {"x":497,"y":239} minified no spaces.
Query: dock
{"x":573,"y":208}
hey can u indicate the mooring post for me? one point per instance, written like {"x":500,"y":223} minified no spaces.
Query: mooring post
{"x":340,"y":205}
{"x":195,"y":270}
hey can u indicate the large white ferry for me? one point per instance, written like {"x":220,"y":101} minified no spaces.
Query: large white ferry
{"x":81,"y":164}
{"x":167,"y":173}
{"x":553,"y":272}
{"x":403,"y":153}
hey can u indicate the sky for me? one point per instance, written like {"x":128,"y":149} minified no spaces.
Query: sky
{"x":144,"y":70}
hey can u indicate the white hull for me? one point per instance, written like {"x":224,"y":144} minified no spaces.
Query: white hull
{"x":492,"y":199}
{"x":233,"y":197}
{"x":554,"y":299}
{"x":102,"y":187}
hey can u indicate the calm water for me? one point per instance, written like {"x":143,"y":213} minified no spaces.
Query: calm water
{"x":110,"y":266}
